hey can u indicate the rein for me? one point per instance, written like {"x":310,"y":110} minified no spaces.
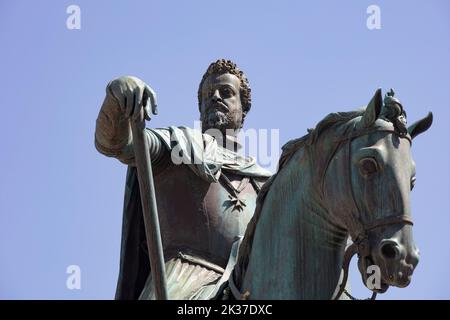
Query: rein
{"x":361,"y":243}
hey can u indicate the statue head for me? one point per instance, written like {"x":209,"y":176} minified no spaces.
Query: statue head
{"x":224,"y":97}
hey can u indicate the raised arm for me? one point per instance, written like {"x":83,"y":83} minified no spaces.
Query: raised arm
{"x":125,"y":98}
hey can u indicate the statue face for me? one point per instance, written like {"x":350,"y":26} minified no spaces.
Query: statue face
{"x":221,"y":106}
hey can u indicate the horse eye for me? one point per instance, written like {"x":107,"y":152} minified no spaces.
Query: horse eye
{"x":413,"y":182}
{"x":368,"y":166}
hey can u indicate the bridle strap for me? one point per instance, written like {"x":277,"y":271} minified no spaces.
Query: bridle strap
{"x":387,"y":221}
{"x":349,"y":253}
{"x":369,"y":131}
{"x":349,"y":139}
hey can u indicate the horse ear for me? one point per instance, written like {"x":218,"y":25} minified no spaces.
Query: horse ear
{"x":373,"y":110}
{"x":420,"y":126}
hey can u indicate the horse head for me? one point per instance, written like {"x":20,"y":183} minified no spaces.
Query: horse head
{"x":367,"y":185}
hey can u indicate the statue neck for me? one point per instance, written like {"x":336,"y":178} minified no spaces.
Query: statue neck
{"x":292,"y":218}
{"x":231,"y":143}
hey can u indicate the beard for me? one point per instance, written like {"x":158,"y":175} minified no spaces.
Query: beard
{"x":215,"y":119}
{"x":219,"y":120}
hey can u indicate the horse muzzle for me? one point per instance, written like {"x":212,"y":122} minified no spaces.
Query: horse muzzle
{"x":391,"y":261}
{"x":398,"y":262}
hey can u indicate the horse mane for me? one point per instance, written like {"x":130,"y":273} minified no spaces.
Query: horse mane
{"x":288,"y":150}
{"x":329,"y":121}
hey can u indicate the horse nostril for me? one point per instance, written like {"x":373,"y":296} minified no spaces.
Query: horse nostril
{"x":389,"y":250}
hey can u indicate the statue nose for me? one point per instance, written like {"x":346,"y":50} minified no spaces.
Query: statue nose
{"x":393,"y":251}
{"x":390,"y":250}
{"x":414,"y":257}
{"x":216,"y":97}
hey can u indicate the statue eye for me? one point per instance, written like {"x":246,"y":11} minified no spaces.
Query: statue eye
{"x":227,"y":92}
{"x":413,"y":182}
{"x":368,"y":166}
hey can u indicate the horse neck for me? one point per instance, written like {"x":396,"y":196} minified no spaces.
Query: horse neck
{"x":297,"y":250}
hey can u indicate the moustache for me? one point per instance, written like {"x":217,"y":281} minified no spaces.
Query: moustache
{"x":217,"y":106}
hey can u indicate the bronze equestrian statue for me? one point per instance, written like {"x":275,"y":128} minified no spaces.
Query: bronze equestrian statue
{"x":350,"y":176}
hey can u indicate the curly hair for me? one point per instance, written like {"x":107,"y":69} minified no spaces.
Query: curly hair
{"x":222,"y":66}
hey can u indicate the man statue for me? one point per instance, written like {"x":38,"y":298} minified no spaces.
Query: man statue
{"x":205,"y":192}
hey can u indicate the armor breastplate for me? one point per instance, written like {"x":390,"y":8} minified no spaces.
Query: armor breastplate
{"x":200,"y":217}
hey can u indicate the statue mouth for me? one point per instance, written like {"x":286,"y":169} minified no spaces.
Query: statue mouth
{"x":217,"y":107}
{"x":398,"y":275}
{"x":401,"y":276}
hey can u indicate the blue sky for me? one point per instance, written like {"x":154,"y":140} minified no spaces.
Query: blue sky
{"x":61,"y":201}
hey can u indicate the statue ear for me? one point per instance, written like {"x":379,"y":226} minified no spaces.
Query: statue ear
{"x":373,"y":110}
{"x":420,"y":126}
